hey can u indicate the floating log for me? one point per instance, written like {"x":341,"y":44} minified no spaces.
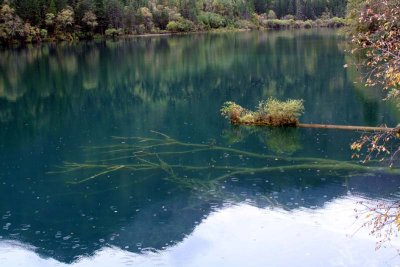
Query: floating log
{"x":275,"y":113}
{"x":348,"y":127}
{"x":324,"y":126}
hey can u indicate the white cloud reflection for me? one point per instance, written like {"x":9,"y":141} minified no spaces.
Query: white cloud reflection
{"x":244,"y":235}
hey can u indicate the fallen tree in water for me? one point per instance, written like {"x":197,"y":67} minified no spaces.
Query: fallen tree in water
{"x":284,"y":113}
{"x":140,"y":155}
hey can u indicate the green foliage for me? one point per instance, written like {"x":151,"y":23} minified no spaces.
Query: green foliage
{"x":90,"y":20}
{"x":188,"y":9}
{"x":129,"y":18}
{"x":308,"y":24}
{"x":141,"y":29}
{"x":289,"y":17}
{"x":114,"y":13}
{"x":298,"y":24}
{"x":277,"y":24}
{"x":212,"y":20}
{"x":354,"y":8}
{"x":261,"y":6}
{"x":281,"y":112}
{"x":52,"y":7}
{"x":10,"y":24}
{"x":336,"y":22}
{"x":43,"y":33}
{"x":245,"y":24}
{"x":64,"y":19}
{"x":31,"y":33}
{"x":145,"y":17}
{"x":271,"y":15}
{"x":161,"y":16}
{"x":326,"y":15}
{"x":182,"y":25}
{"x":232,"y":111}
{"x":173,"y":26}
{"x":271,"y":112}
{"x":50,"y":19}
{"x":113,"y":33}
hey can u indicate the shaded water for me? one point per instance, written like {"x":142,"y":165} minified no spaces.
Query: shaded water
{"x":207,"y":200}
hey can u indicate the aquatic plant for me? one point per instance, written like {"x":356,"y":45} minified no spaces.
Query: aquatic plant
{"x":271,"y":112}
{"x":279,"y":113}
{"x":232,"y":111}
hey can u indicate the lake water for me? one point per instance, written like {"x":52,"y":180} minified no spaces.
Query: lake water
{"x":115,"y":154}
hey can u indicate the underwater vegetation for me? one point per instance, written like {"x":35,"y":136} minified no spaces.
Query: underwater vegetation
{"x":182,"y":163}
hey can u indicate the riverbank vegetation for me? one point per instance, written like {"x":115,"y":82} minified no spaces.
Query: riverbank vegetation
{"x":66,"y":20}
{"x":376,"y":35}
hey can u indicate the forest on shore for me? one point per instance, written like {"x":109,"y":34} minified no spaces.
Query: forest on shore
{"x":29,"y":21}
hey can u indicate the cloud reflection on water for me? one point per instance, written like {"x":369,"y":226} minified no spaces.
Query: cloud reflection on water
{"x":244,"y":235}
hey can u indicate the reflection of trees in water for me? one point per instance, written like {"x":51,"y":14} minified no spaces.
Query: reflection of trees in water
{"x":174,"y":68}
{"x":280,"y":140}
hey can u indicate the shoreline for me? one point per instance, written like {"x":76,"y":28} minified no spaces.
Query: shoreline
{"x":103,"y":37}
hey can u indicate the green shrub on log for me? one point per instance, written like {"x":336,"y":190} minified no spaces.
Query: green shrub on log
{"x":270,"y":112}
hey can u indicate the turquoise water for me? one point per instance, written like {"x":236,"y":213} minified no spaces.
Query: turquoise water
{"x":115,"y":154}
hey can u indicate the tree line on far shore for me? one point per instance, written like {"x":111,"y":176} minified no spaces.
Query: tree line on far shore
{"x":37,"y":20}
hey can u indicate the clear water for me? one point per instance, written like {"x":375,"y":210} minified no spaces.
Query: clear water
{"x":75,"y":190}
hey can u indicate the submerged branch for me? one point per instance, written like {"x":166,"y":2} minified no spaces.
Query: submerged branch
{"x":150,"y":160}
{"x":140,"y":151}
{"x":109,"y":170}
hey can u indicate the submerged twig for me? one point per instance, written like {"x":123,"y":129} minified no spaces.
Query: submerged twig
{"x":109,"y":170}
{"x":148,"y":157}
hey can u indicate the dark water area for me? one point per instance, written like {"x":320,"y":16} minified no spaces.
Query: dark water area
{"x":114,"y":153}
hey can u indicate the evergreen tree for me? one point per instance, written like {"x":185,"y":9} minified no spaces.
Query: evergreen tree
{"x":52,"y":7}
